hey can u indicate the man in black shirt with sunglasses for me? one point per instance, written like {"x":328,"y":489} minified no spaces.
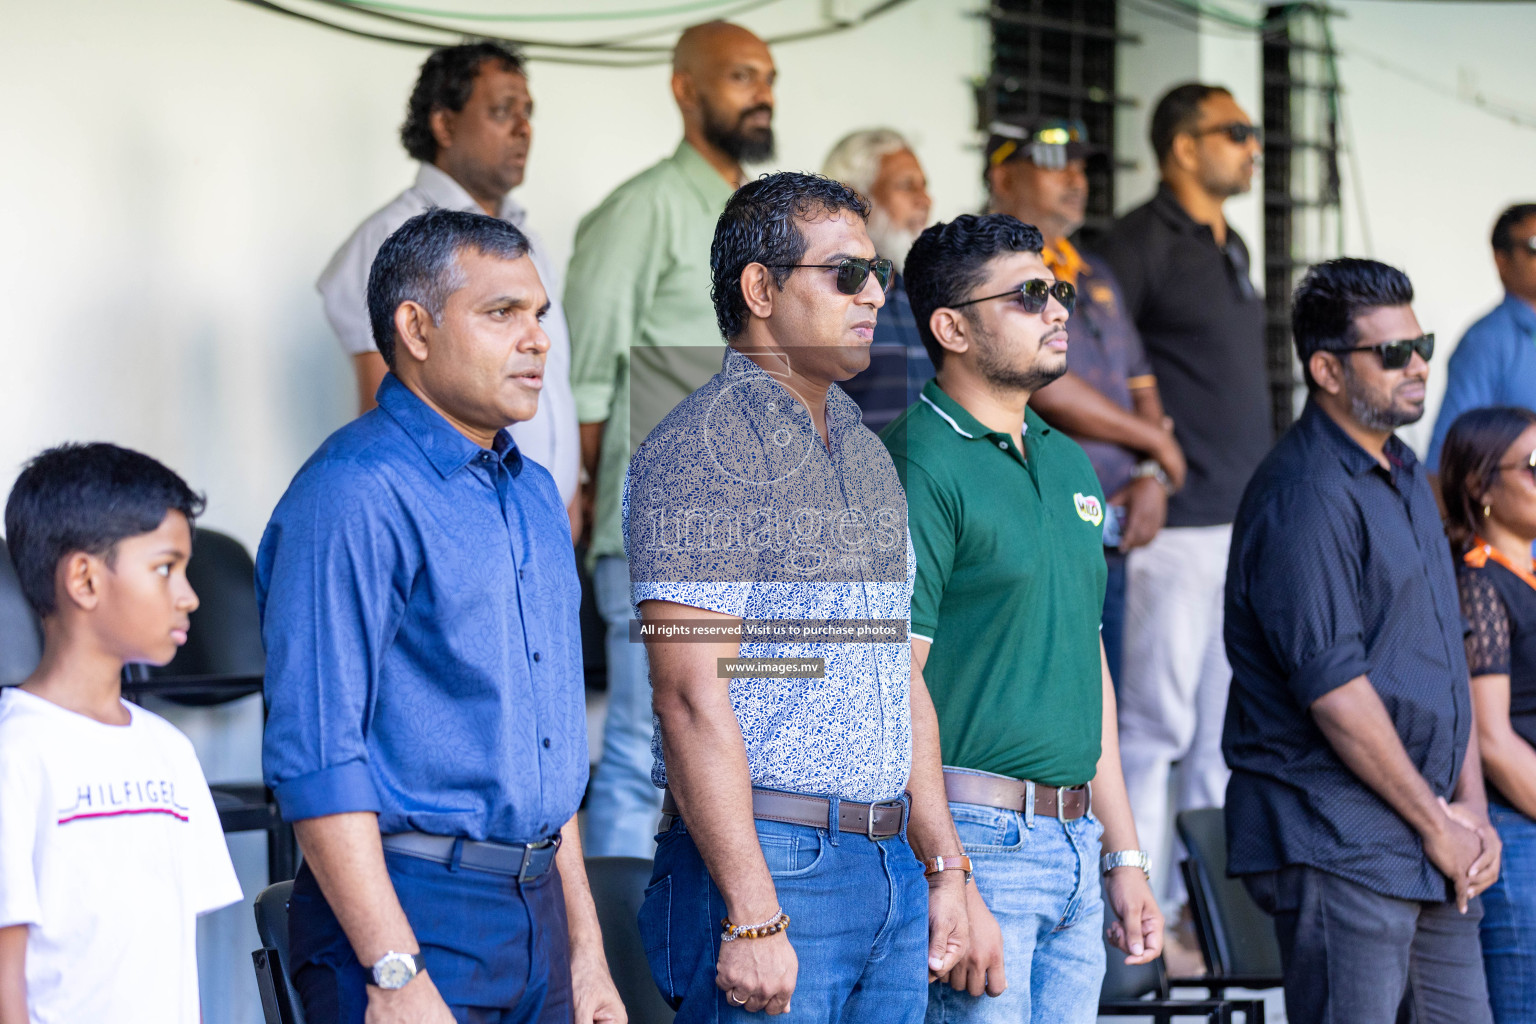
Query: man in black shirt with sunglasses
{"x":1356,"y":814}
{"x":1184,"y":275}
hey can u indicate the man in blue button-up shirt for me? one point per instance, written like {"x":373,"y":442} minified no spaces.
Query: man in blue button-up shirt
{"x":426,"y":730}
{"x":1495,"y":364}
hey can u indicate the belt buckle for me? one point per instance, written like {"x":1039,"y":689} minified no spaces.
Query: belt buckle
{"x":528,"y":851}
{"x":869,"y":824}
{"x":1061,"y":804}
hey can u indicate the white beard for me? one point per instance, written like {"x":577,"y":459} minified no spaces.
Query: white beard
{"x":891,"y":241}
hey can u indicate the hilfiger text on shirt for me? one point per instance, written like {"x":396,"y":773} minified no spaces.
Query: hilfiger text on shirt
{"x":122,"y":798}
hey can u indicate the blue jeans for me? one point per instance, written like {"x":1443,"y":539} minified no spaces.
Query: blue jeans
{"x":1509,"y":921}
{"x":623,"y":805}
{"x":498,"y":951}
{"x":1040,"y":878}
{"x":858,"y":922}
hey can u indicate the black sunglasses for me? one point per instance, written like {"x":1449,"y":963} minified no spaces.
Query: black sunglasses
{"x":851,"y":272}
{"x":1238,"y":132}
{"x":1033,"y":295}
{"x":1395,"y":355}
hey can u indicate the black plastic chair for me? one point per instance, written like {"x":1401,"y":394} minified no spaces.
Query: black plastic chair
{"x":1236,"y":937}
{"x":21,"y":634}
{"x":279,"y":1001}
{"x":618,"y":888}
{"x":222,"y":661}
{"x":1142,"y":990}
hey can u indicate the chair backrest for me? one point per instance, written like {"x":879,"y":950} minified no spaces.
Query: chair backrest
{"x":1235,"y":935}
{"x":272,"y":929}
{"x":225,"y":638}
{"x":618,"y":888}
{"x":21,"y":635}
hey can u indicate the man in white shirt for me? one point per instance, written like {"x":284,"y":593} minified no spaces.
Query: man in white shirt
{"x":468,"y":123}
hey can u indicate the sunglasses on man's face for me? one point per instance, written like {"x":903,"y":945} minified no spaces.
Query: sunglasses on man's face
{"x":1237,"y":132}
{"x":1033,"y":295}
{"x":1395,"y":355}
{"x":851,"y":272}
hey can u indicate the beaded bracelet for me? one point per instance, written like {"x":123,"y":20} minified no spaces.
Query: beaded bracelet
{"x":775,"y":924}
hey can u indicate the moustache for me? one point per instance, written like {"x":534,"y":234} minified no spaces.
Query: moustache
{"x":761,"y":108}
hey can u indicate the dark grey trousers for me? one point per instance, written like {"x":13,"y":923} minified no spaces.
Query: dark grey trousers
{"x":1352,"y":956}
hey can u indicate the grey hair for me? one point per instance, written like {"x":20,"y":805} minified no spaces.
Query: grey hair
{"x":855,"y":160}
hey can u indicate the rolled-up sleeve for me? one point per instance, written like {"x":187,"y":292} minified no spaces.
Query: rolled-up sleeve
{"x":612,"y":278}
{"x":1301,"y":559}
{"x":332,"y":573}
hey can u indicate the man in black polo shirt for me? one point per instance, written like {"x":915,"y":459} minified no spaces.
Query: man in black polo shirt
{"x":1356,"y":814}
{"x":1183,"y":273}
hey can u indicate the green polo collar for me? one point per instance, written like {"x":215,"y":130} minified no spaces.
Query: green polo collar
{"x":968,"y":426}
{"x":703,"y":178}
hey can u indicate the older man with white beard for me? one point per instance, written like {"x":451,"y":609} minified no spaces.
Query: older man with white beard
{"x":879,"y":164}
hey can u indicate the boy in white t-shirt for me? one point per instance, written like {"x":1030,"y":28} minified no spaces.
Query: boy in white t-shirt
{"x":110,"y":846}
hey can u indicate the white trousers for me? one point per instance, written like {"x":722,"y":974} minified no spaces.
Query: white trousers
{"x":1173,"y":688}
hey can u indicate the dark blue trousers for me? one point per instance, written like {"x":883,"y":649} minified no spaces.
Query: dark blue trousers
{"x":498,"y":951}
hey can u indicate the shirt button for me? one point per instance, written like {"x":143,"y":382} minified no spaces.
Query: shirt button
{"x":546,"y":742}
{"x":537,"y":656}
{"x":1003,"y":445}
{"x":521,"y":573}
{"x":485,"y":456}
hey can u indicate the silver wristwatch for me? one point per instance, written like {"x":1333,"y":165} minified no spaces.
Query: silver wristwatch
{"x":1126,"y":859}
{"x":395,"y":970}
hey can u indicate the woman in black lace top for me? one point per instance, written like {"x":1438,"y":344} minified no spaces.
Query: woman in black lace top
{"x":1488,"y":479}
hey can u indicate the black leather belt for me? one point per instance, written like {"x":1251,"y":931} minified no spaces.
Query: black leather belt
{"x":522,"y":861}
{"x":873,"y":821}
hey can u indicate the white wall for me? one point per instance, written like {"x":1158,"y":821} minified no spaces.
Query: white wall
{"x":1434,"y":170}
{"x":174,"y":174}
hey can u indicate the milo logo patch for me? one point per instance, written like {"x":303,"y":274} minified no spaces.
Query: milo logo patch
{"x":1089,"y":509}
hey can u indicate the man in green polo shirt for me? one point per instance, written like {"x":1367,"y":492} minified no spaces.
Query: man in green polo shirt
{"x":643,"y":337}
{"x":1006,"y":518}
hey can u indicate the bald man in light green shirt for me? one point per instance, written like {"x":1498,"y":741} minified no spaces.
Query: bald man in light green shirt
{"x":643,"y":337}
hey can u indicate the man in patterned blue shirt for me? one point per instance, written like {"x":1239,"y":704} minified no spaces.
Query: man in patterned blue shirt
{"x":419,"y":608}
{"x":762,"y":521}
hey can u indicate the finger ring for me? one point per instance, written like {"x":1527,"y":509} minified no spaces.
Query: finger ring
{"x":732,"y":997}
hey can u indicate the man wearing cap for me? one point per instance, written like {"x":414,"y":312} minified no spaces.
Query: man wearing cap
{"x":1006,"y":519}
{"x":878,"y":163}
{"x":1107,"y":400}
{"x":643,"y":336}
{"x":1184,"y":278}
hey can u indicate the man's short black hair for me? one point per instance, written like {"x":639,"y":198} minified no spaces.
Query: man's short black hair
{"x":420,"y":263}
{"x":85,"y":497}
{"x":949,"y":260}
{"x":1178,"y":112}
{"x":1503,"y":239}
{"x":1332,"y":295}
{"x":446,"y":80}
{"x":760,"y":225}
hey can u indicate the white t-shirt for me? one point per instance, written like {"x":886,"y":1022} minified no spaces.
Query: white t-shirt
{"x":109,"y":849}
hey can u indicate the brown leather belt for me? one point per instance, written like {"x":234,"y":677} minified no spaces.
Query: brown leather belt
{"x":1066,"y":803}
{"x":873,"y":821}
